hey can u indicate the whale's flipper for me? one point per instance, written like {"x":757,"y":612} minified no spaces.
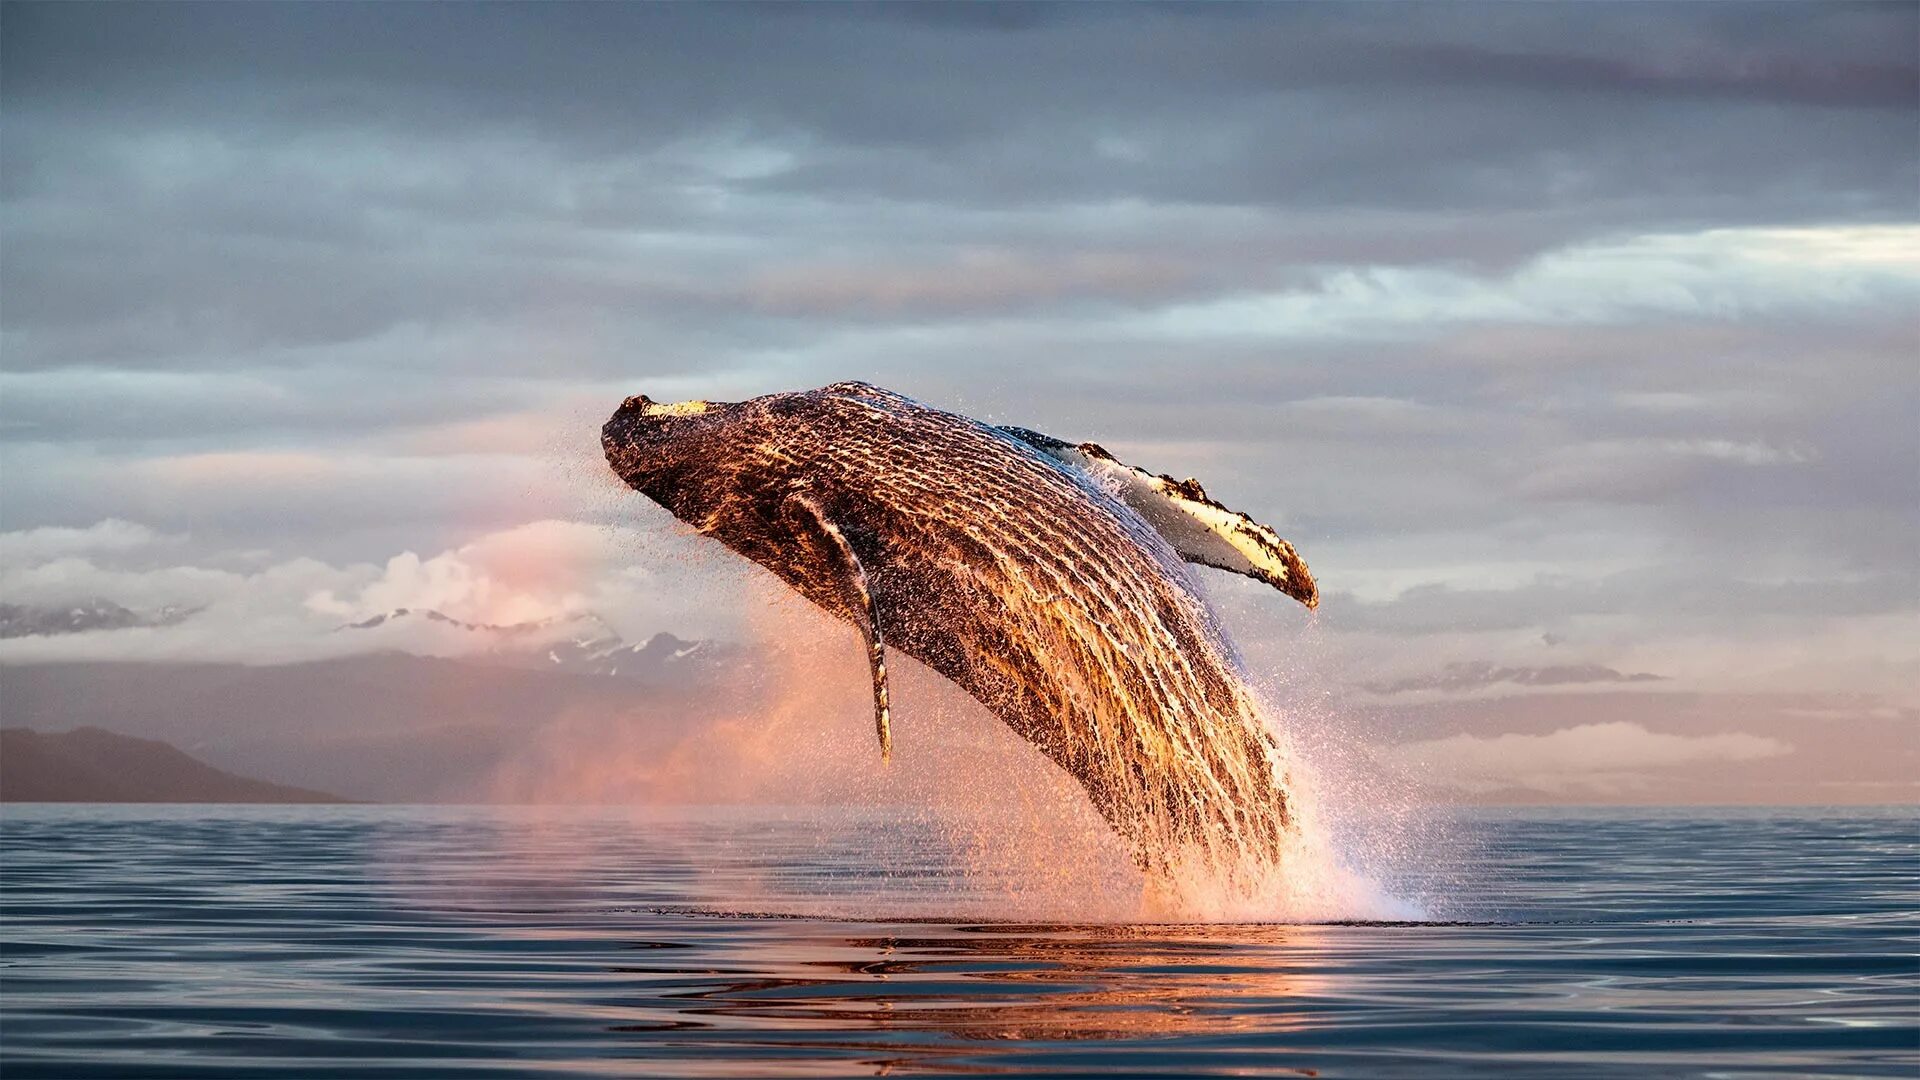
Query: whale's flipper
{"x":1200,"y":529}
{"x":866,"y":615}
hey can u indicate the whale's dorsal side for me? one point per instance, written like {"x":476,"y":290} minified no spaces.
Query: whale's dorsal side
{"x":1199,"y":528}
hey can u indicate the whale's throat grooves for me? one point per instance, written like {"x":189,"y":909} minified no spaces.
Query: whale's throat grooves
{"x":1025,"y":582}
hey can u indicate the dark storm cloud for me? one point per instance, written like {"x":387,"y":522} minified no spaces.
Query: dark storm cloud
{"x":189,"y":183}
{"x":1275,"y":106}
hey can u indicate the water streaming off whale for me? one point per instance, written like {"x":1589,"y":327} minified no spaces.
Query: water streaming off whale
{"x":1028,"y":573}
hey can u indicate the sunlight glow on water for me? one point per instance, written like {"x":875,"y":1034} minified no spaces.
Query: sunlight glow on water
{"x":420,"y":942}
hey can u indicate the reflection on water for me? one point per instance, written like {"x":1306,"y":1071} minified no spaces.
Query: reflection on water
{"x":1038,"y":983}
{"x":377,"y":941}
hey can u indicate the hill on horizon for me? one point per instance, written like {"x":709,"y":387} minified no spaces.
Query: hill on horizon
{"x":90,"y":764}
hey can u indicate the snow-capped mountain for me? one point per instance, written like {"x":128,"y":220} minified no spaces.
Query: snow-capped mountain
{"x":581,"y":643}
{"x":577,"y":624}
{"x":21,"y":620}
{"x":661,"y":654}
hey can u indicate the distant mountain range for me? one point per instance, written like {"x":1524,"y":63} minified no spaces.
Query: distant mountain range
{"x":22,"y":620}
{"x":581,"y":643}
{"x":92,"y":765}
{"x":568,"y":711}
{"x":429,"y":708}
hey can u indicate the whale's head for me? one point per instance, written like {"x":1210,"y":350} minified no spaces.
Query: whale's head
{"x":665,"y":449}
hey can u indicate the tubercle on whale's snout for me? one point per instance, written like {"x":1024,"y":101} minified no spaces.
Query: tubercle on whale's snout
{"x":640,"y":415}
{"x":643,"y":407}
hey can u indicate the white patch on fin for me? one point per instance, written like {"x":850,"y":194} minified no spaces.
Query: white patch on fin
{"x":868,"y":620}
{"x":1200,"y":529}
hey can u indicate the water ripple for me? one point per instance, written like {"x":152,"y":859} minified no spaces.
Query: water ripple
{"x":213,"y":942}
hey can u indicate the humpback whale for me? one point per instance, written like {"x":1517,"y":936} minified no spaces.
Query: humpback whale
{"x":1046,"y":578}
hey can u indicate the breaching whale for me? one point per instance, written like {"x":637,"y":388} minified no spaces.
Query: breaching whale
{"x":1046,"y":578}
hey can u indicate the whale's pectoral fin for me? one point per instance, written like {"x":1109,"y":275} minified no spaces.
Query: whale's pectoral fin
{"x":1200,"y":529}
{"x":864,"y":611}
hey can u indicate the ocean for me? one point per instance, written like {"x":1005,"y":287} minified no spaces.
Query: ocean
{"x":206,"y":942}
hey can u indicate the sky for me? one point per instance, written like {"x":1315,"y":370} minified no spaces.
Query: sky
{"x":1575,"y":346}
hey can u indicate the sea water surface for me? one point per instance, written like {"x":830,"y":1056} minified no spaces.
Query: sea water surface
{"x":208,"y":942}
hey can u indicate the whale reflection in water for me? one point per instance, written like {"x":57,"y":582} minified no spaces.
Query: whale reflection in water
{"x":927,"y":995}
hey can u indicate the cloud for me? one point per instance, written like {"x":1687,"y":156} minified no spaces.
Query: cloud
{"x":145,"y":407}
{"x":288,"y":610}
{"x":1721,"y":72}
{"x":1632,"y":470}
{"x":542,"y":570}
{"x":1685,"y":598}
{"x":1595,"y":758}
{"x":47,"y":542}
{"x":1476,"y":675}
{"x":974,"y":281}
{"x":188,"y":189}
{"x":1715,"y":274}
